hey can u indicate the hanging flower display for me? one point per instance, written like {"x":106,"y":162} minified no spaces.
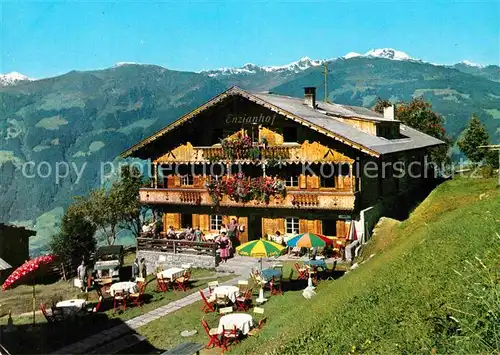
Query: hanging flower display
{"x":239,"y":147}
{"x":240,"y":188}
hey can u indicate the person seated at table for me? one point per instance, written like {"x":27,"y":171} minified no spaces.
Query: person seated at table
{"x":314,"y":253}
{"x":171,"y":233}
{"x":187,"y":234}
{"x":198,"y":234}
{"x":147,"y":230}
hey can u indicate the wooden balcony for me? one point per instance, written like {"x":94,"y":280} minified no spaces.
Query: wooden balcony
{"x":329,"y":200}
{"x":286,"y":152}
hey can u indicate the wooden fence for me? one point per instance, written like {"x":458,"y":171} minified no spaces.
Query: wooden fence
{"x":177,"y":246}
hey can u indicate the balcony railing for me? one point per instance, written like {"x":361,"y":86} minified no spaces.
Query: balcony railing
{"x":177,"y":246}
{"x":217,"y":153}
{"x":332,"y":200}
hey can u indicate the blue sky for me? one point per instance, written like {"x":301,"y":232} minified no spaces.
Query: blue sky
{"x":43,"y":39}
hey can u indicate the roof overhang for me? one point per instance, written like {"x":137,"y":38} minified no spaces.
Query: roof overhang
{"x":240,"y":92}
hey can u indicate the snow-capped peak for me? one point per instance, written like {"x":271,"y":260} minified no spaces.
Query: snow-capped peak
{"x":13,"y":78}
{"x":386,"y":53}
{"x":121,"y":64}
{"x":471,"y":64}
{"x":250,"y":68}
{"x":352,"y":55}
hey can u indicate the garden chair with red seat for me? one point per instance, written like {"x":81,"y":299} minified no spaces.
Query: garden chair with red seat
{"x":213,"y":335}
{"x":161,"y":283}
{"x":50,"y":316}
{"x":182,"y":283}
{"x":244,"y":302}
{"x":303,"y":272}
{"x":261,"y":323}
{"x":229,"y":337}
{"x":275,"y":287}
{"x":138,"y":298}
{"x":207,"y":305}
{"x":119,"y":300}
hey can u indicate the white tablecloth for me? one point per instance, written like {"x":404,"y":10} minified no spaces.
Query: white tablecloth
{"x":230,"y":291}
{"x":126,"y":286}
{"x":211,"y":236}
{"x":172,"y":273}
{"x":76,"y":303}
{"x":242,"y":321}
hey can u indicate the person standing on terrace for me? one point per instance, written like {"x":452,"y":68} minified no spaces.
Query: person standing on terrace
{"x":224,"y":246}
{"x":232,"y":231}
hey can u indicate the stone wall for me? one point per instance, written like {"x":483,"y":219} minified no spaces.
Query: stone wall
{"x":167,"y":260}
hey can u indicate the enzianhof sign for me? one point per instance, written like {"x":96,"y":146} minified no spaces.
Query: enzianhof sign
{"x":249,"y":119}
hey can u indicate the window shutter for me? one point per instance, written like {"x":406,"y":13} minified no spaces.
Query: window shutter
{"x":341,"y":229}
{"x":302,"y":182}
{"x":280,"y":225}
{"x":268,"y":226}
{"x":302,"y":225}
{"x":173,"y":219}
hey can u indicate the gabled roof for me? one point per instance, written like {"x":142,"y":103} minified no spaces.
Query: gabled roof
{"x":326,"y":118}
{"x":7,"y":227}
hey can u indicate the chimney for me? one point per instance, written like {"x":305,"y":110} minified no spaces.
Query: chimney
{"x":310,"y":96}
{"x":389,"y":113}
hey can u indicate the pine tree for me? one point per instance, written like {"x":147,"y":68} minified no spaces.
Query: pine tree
{"x":475,"y":135}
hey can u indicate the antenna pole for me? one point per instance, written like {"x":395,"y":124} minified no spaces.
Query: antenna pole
{"x":325,"y":66}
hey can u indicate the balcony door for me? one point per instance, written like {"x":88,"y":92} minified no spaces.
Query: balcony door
{"x":254,"y":227}
{"x":186,"y":220}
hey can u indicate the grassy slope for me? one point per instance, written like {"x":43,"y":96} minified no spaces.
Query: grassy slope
{"x":401,"y":300}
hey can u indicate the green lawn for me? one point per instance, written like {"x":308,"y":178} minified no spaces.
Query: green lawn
{"x":37,"y":341}
{"x":433,"y":286}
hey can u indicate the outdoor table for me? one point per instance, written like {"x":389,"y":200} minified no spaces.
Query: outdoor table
{"x":268,"y":274}
{"x":125,"y":286}
{"x":316,"y":263}
{"x":232,"y":292}
{"x":71,"y":307}
{"x":211,"y":236}
{"x":172,"y":273}
{"x":242,"y":321}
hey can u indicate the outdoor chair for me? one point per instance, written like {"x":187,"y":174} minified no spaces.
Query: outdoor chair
{"x":211,"y":286}
{"x":225,"y":310}
{"x":119,"y":300}
{"x":50,"y":316}
{"x":303,"y":272}
{"x":106,"y":283}
{"x":139,"y":280}
{"x":275,"y":286}
{"x":244,"y":302}
{"x":161,"y":283}
{"x":182,"y":283}
{"x":262,"y":320}
{"x":138,"y":298}
{"x":213,"y":335}
{"x":229,"y":337}
{"x":208,"y":306}
{"x":295,"y":251}
{"x":243,"y":286}
{"x":221,"y":300}
{"x":95,"y":309}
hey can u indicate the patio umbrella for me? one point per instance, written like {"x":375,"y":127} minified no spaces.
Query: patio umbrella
{"x":28,"y":271}
{"x":351,"y":234}
{"x":260,"y":249}
{"x":309,"y":240}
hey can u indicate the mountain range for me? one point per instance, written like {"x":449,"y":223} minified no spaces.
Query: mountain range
{"x":88,"y":117}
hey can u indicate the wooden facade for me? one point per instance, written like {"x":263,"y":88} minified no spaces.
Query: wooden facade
{"x":325,"y":189}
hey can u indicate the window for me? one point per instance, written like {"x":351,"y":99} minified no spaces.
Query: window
{"x":292,"y":181}
{"x":291,"y":225}
{"x":186,"y":220}
{"x":215,"y":222}
{"x":327,"y":182}
{"x":187,"y":180}
{"x":329,"y":227}
{"x":290,"y":134}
